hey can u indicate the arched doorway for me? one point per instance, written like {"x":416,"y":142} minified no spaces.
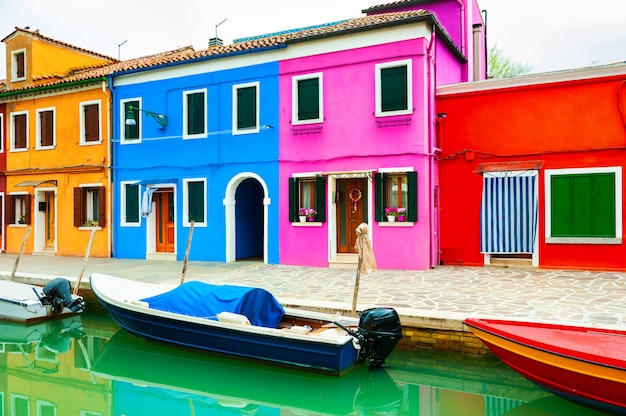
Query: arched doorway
{"x":249,"y":220}
{"x":246,"y":212}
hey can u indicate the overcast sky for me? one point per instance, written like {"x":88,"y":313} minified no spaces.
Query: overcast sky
{"x":546,"y":35}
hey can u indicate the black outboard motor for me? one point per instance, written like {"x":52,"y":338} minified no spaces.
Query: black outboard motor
{"x":58,"y":294}
{"x":379,"y":332}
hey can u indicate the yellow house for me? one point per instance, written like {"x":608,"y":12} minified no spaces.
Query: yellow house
{"x":57,"y":147}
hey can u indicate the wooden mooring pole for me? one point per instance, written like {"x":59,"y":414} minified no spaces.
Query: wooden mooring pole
{"x":19,"y":254}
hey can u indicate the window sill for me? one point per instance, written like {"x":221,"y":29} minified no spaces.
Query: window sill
{"x":307,"y":224}
{"x":396,"y":224}
{"x":583,"y":240}
{"x":89,"y":228}
{"x":18,"y":225}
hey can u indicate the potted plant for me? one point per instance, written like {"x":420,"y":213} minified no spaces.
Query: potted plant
{"x":302,"y":214}
{"x":310,"y":214}
{"x":401,"y":214}
{"x":391,"y":213}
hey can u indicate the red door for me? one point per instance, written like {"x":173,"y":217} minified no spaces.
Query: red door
{"x":164,"y":211}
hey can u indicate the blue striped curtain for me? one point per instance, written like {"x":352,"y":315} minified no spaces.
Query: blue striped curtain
{"x":508,"y":215}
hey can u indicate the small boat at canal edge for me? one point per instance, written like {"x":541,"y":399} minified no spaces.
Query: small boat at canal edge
{"x":155,"y":378}
{"x":584,"y":364}
{"x":248,"y":323}
{"x":24,"y":303}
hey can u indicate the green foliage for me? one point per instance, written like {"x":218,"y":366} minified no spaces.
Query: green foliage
{"x":501,"y":65}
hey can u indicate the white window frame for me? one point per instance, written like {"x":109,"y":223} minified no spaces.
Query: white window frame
{"x":42,"y":403}
{"x":123,"y":139}
{"x":89,"y":207}
{"x":38,"y":144}
{"x":294,"y":98}
{"x":186,"y":222}
{"x":12,"y":129}
{"x":17,"y":209}
{"x":409,"y":87}
{"x":81,"y":110}
{"x":617,"y":170}
{"x":14,"y":77}
{"x":15,"y":397}
{"x":202,"y":135}
{"x":249,"y":130}
{"x":123,"y":221}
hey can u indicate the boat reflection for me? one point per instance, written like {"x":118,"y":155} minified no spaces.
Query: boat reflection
{"x":552,"y":406}
{"x":40,"y":344}
{"x":144,"y":375}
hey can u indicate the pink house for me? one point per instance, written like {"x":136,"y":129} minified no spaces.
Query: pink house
{"x":357,"y":131}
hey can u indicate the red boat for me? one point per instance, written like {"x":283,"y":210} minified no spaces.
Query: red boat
{"x":584,"y":364}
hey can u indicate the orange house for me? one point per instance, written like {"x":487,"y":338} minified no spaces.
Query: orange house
{"x":531,"y":170}
{"x":57,"y":147}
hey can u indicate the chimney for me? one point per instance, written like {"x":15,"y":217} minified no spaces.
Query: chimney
{"x":213,"y":42}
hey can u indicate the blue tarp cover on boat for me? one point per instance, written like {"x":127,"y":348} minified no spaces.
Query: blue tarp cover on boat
{"x":206,"y":301}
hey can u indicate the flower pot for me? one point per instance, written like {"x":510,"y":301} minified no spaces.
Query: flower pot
{"x":302,"y":218}
{"x":391,"y":218}
{"x":400,"y":218}
{"x":311,"y":218}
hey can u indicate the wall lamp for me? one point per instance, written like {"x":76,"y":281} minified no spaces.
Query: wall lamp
{"x":130,"y":116}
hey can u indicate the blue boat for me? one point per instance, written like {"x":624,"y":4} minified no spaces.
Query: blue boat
{"x":248,"y":323}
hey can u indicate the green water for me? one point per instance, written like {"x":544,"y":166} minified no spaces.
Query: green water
{"x":87,"y":366}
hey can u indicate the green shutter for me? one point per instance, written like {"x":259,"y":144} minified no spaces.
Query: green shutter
{"x":195,"y":113}
{"x":583,"y":205}
{"x":394,"y":88}
{"x":132,"y":203}
{"x":379,"y":193}
{"x":603,"y":208}
{"x":411,"y":180}
{"x":195,"y":194}
{"x":294,"y":204}
{"x":320,"y":198}
{"x":308,"y":99}
{"x":246,"y":108}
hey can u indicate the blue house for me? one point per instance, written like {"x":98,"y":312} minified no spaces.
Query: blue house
{"x":194,"y":143}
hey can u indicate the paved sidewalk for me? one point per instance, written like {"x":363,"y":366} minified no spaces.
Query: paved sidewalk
{"x":437,"y":298}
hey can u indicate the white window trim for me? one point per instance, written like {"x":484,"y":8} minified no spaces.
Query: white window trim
{"x":251,"y":130}
{"x":123,"y":139}
{"x":123,"y":222}
{"x":19,"y":193}
{"x":294,"y":98}
{"x":186,"y":222}
{"x":45,"y":403}
{"x":81,"y":109}
{"x":12,"y":128}
{"x":38,"y":145}
{"x":14,"y":77}
{"x":409,"y":87}
{"x":202,"y":135}
{"x":617,"y":170}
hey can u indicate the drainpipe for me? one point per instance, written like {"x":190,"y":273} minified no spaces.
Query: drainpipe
{"x":433,"y":223}
{"x":110,"y":158}
{"x":463,"y":34}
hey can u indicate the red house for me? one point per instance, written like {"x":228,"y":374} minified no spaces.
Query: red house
{"x":531,"y":169}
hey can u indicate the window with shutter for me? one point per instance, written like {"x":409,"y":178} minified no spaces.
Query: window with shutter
{"x":18,"y":65}
{"x":20,"y":131}
{"x":45,"y":128}
{"x":131,"y":131}
{"x":307,"y":103}
{"x":131,"y":203}
{"x":393,"y":88}
{"x":583,"y":205}
{"x":246,"y":108}
{"x":194,"y":201}
{"x":307,"y":193}
{"x":90,"y":206}
{"x":91,"y":123}
{"x":397,"y":190}
{"x":195,"y":114}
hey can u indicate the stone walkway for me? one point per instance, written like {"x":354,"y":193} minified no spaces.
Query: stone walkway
{"x":436,"y":298}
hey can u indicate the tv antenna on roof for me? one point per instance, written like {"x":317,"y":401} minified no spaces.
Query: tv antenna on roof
{"x":119,"y":45}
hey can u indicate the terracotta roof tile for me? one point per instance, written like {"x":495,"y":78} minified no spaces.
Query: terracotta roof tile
{"x":284,"y":38}
{"x":37,"y":35}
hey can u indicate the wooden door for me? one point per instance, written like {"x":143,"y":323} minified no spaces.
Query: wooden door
{"x":49,"y":219}
{"x":164,"y":211}
{"x":351,"y":199}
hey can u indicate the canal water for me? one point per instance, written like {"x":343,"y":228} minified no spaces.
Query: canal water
{"x":87,"y":366}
